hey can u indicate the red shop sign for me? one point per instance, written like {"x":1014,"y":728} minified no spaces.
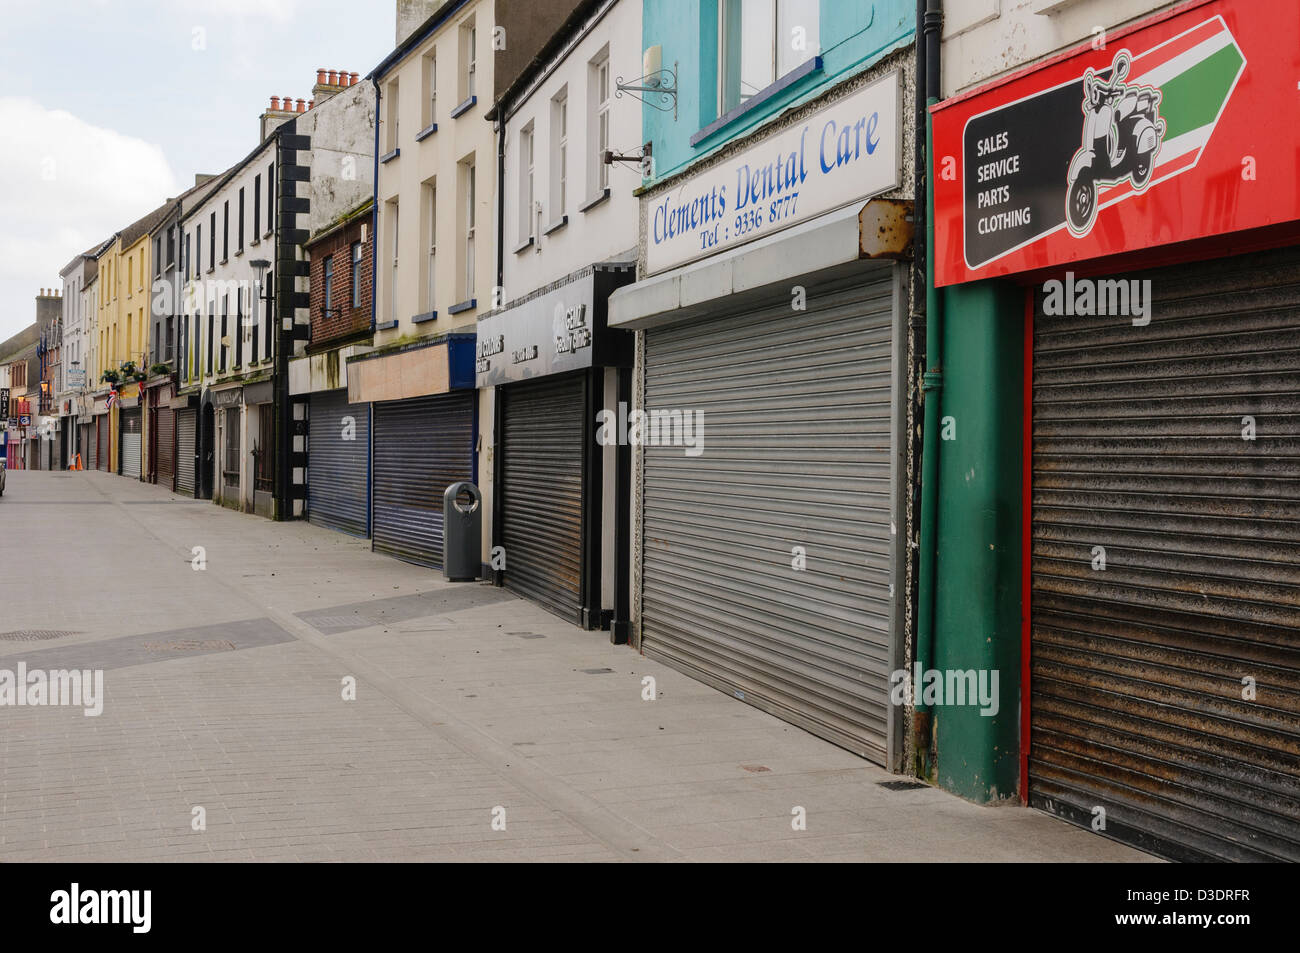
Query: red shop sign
{"x":1185,"y":127}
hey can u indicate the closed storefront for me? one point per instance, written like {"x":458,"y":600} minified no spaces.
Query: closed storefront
{"x":421,"y":446}
{"x":770,"y":429}
{"x":555,"y":491}
{"x":164,"y":440}
{"x":129,"y":437}
{"x":101,"y":443}
{"x":540,"y":495}
{"x":186,"y":430}
{"x":1166,"y":563}
{"x":1159,"y":330}
{"x":767,"y":506}
{"x":338,"y":474}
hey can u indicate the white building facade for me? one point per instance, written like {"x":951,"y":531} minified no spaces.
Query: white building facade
{"x":556,"y":497}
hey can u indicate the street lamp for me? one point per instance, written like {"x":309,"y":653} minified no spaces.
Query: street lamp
{"x":260,"y":267}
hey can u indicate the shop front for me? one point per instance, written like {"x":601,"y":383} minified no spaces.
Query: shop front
{"x":101,"y":450}
{"x":338,"y":441}
{"x":186,"y":443}
{"x":423,"y":438}
{"x":228,"y":446}
{"x":1153,"y":255}
{"x":162,"y":435}
{"x":770,"y":428}
{"x":552,"y":366}
{"x":130,"y":434}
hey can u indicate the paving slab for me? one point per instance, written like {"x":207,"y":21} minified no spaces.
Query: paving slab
{"x":482,"y":727}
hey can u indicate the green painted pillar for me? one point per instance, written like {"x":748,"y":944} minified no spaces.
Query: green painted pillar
{"x":978,"y":581}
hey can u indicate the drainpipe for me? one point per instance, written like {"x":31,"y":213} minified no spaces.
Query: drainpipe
{"x":930,"y":21}
{"x":374,"y":218}
{"x":501,"y":208}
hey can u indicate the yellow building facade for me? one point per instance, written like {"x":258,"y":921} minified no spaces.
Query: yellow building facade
{"x":120,"y":339}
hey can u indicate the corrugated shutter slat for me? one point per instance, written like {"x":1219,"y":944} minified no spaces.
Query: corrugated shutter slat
{"x":1137,"y":694}
{"x":421,"y":446}
{"x":337,"y":468}
{"x":540,"y":497}
{"x":186,"y":428}
{"x":797,"y":409}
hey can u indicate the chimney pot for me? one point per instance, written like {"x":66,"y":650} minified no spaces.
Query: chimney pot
{"x":302,"y":105}
{"x":352,"y":79}
{"x":334,"y":77}
{"x":275,"y":104}
{"x":311,"y":104}
{"x":320,"y":77}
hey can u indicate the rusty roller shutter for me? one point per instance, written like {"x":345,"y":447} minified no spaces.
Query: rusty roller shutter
{"x":1137,"y":670}
{"x":186,"y":427}
{"x":101,"y":442}
{"x":421,"y":446}
{"x":539,"y":501}
{"x":797,"y":411}
{"x":165,"y":446}
{"x":338,"y":455}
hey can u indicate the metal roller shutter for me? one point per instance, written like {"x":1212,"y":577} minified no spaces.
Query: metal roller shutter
{"x":421,"y":447}
{"x":186,"y":426}
{"x":101,"y":442}
{"x":540,"y":497}
{"x":165,"y":446}
{"x":337,"y":468}
{"x":797,"y":421}
{"x":89,"y":458}
{"x":129,"y":436}
{"x":1137,"y":701}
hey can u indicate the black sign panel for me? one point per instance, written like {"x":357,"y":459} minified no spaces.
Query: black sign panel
{"x":1017,"y":165}
{"x":4,"y":402}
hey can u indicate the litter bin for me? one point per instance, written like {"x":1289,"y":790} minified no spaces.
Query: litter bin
{"x":462,"y":532}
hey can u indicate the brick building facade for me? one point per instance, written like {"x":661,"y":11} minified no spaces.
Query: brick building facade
{"x":341,"y":285}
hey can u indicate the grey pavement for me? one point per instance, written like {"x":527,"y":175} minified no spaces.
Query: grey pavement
{"x":224,"y":690}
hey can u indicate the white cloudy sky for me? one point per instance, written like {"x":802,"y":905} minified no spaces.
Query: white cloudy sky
{"x":109,"y":107}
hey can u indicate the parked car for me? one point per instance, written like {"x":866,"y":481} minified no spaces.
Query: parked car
{"x":3,"y":465}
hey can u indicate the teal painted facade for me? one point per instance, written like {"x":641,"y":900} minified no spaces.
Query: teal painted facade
{"x":854,"y":34}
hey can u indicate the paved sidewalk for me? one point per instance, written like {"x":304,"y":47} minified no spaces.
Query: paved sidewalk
{"x":224,"y":691}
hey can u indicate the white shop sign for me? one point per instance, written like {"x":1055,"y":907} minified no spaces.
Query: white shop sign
{"x":845,"y":153}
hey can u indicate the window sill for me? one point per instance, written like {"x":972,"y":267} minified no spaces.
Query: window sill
{"x":756,"y":101}
{"x":556,"y":226}
{"x":464,"y":306}
{"x":386,"y":326}
{"x":426,"y":132}
{"x":524,"y":245}
{"x":600,"y":199}
{"x":389,"y":156}
{"x":464,"y":107}
{"x":255,"y":242}
{"x":224,"y":261}
{"x":240,"y":253}
{"x":425,"y":318}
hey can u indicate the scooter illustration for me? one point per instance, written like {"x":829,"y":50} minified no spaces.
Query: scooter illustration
{"x":1122,"y":133}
